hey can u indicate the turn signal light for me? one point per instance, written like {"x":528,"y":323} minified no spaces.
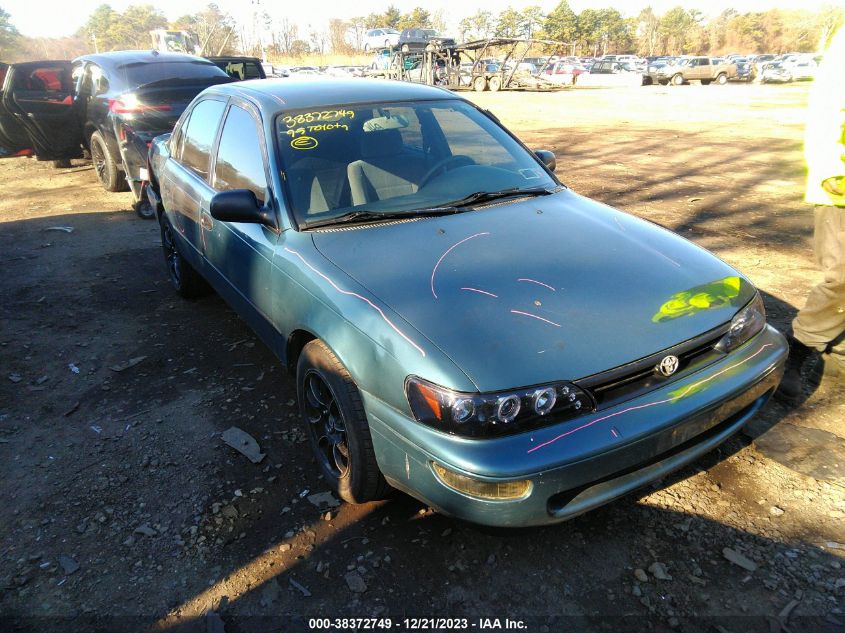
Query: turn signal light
{"x":491,"y":491}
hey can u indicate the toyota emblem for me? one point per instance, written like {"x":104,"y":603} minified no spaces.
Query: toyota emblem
{"x":668,"y":366}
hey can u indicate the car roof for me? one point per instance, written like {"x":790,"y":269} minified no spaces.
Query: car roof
{"x":294,"y":94}
{"x":116,"y":59}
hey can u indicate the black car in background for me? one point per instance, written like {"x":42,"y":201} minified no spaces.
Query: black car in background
{"x":418,"y":39}
{"x":112,"y":104}
{"x":240,"y":68}
{"x":744,"y":69}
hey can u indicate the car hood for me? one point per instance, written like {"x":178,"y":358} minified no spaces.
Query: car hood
{"x":550,"y":288}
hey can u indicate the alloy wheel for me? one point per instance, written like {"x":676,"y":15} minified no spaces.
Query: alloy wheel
{"x":325,"y":425}
{"x":171,"y":254}
{"x":98,"y":157}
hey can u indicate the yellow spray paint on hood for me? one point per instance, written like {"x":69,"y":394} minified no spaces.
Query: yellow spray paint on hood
{"x":716,"y":294}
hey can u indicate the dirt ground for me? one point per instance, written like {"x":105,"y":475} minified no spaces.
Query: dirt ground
{"x":122,"y":508}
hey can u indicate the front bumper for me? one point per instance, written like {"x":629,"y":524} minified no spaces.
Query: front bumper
{"x":581,"y":464}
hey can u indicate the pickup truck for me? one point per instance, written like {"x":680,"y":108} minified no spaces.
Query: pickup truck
{"x":703,"y":69}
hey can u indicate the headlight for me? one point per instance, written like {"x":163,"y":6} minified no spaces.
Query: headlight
{"x":493,"y":414}
{"x":746,"y":324}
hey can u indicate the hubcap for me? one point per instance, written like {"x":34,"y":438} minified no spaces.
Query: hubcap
{"x":171,"y":255}
{"x":325,"y":425}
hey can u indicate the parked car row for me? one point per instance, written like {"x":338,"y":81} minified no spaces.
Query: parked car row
{"x":679,"y":70}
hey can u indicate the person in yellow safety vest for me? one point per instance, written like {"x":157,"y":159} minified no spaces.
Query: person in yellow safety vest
{"x":818,"y":331}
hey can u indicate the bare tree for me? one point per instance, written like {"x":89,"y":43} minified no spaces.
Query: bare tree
{"x":318,"y":40}
{"x":338,"y":30}
{"x":648,"y":31}
{"x":356,"y":30}
{"x":287,"y":33}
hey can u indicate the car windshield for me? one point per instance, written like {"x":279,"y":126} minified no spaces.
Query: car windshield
{"x":397,"y":158}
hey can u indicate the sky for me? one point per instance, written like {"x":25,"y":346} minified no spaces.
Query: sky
{"x":54,"y":18}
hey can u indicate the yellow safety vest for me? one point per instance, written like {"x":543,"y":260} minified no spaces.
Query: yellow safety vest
{"x":824,"y":137}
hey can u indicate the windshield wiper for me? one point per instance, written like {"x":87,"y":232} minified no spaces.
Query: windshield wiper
{"x":488,"y":196}
{"x":374,"y":216}
{"x":456,"y":206}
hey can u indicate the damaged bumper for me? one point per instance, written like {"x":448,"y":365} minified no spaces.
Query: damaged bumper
{"x":581,"y":464}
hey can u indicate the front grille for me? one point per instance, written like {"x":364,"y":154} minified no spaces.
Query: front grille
{"x":633,"y":379}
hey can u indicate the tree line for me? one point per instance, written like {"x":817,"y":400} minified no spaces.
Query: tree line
{"x":590,"y":32}
{"x":594,"y":31}
{"x":681,"y":31}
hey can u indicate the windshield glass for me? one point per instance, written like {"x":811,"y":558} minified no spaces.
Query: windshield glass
{"x":397,"y":158}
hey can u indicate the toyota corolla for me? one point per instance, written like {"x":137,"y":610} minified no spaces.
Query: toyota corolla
{"x":460,"y":324}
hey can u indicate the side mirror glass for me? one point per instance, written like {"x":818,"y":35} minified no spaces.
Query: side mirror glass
{"x":240,"y":205}
{"x":546,"y":157}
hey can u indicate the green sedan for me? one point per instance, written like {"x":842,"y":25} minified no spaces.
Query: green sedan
{"x":461,"y":326}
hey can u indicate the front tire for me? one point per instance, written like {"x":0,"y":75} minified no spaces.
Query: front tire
{"x":337,"y":427}
{"x":494,"y":84}
{"x":678,"y":80}
{"x":479,"y":84}
{"x":186,"y":281}
{"x":105,"y":166}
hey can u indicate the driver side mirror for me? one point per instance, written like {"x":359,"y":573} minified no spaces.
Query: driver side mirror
{"x":240,"y":205}
{"x":547,"y":157}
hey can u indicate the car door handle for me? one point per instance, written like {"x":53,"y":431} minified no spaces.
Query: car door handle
{"x":206,"y":222}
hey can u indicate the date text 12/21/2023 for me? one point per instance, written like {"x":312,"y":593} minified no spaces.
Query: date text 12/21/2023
{"x":416,"y":624}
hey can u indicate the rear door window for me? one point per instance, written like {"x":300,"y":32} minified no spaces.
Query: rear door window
{"x":45,"y":78}
{"x":240,"y":161}
{"x":200,"y":134}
